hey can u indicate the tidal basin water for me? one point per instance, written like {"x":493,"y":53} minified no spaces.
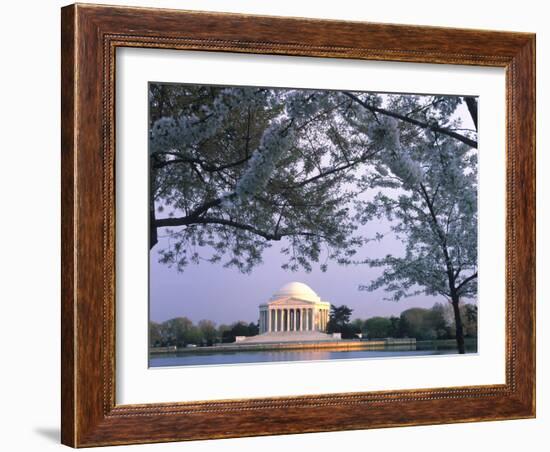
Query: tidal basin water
{"x":203,"y":358}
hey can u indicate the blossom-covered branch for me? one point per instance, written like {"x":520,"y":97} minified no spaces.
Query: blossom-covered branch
{"x":245,"y":166}
{"x":434,"y":127}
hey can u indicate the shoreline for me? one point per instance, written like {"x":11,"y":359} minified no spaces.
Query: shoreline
{"x":343,"y":344}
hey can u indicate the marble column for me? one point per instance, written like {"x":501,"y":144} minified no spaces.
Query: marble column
{"x":286,"y":320}
{"x":289,"y":314}
{"x":316,"y":319}
{"x":290,"y":320}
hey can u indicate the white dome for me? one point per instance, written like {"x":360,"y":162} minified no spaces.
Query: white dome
{"x":296,"y":290}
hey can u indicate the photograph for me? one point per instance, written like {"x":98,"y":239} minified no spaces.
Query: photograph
{"x":293,"y":224}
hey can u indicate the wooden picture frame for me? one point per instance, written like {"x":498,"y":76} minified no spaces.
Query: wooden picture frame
{"x":90,"y":36}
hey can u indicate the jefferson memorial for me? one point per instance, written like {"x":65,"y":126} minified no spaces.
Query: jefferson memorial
{"x":294,"y":307}
{"x":294,"y":313}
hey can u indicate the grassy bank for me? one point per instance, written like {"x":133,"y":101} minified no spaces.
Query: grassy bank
{"x":445,"y":344}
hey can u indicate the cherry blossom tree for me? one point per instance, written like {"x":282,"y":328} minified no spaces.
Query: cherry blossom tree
{"x":235,"y":169}
{"x":427,"y":189}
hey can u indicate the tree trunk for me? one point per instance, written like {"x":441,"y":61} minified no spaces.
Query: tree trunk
{"x":471,"y":103}
{"x":153,"y":238}
{"x":458,"y":325}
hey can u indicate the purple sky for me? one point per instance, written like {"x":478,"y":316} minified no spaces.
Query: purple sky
{"x":210,"y":291}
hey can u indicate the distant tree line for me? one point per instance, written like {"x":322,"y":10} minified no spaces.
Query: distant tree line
{"x":420,"y":323}
{"x":436,"y":322}
{"x":181,"y":331}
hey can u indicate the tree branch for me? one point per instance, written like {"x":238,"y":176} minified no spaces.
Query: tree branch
{"x":185,"y":221}
{"x":326,"y":173}
{"x":424,"y":125}
{"x":180,"y":158}
{"x":442,"y":238}
{"x":466,"y":281}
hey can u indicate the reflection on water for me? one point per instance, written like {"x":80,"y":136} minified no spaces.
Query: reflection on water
{"x":263,"y":356}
